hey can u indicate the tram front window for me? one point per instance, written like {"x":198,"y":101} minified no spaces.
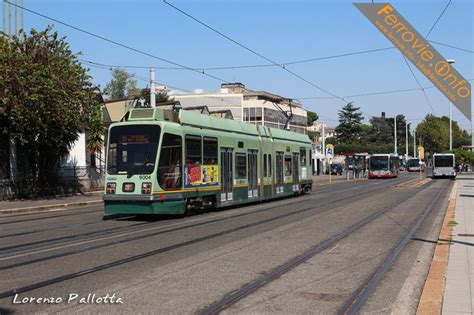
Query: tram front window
{"x":379,"y":163}
{"x":132,"y":149}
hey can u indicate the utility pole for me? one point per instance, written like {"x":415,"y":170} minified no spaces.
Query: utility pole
{"x":16,"y":17}
{"x":4,"y":15}
{"x":395,"y":134}
{"x":323,"y":147}
{"x":152,"y":89}
{"x":406,"y":140}
{"x":414,"y":142}
{"x":450,"y":61}
{"x":9,"y":19}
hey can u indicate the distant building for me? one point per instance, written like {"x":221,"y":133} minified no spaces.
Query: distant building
{"x":256,"y":107}
{"x":316,"y":131}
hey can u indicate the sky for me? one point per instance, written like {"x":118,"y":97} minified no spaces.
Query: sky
{"x":281,"y":30}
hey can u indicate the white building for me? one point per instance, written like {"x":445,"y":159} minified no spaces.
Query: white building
{"x":256,"y":107}
{"x":317,"y":128}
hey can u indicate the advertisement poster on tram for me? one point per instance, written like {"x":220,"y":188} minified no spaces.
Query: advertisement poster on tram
{"x":201,"y":175}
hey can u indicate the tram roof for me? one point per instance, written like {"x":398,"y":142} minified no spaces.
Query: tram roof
{"x":195,"y":119}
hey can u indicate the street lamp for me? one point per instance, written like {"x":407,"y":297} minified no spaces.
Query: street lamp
{"x":450,"y":61}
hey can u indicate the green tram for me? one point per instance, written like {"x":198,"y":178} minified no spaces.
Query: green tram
{"x":172,"y":162}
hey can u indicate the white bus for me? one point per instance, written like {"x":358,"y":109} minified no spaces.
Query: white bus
{"x":444,"y":165}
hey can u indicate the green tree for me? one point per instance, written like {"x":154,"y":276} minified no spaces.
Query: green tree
{"x":460,"y":137}
{"x":96,"y":129}
{"x":121,"y":85}
{"x":44,"y":101}
{"x":350,"y":121}
{"x":312,"y":117}
{"x":381,"y":131}
{"x":159,"y":97}
{"x":434,"y":134}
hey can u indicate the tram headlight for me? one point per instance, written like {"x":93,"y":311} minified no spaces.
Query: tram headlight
{"x":146,"y":188}
{"x":111,"y":188}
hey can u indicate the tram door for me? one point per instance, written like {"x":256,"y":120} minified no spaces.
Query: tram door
{"x":279,"y":172}
{"x":226,"y":174}
{"x":296,"y":173}
{"x":252,"y":173}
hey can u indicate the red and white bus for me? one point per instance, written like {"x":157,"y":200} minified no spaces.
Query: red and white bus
{"x":384,"y":166}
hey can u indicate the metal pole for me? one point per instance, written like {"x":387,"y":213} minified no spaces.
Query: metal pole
{"x":4,"y":15}
{"x":324,"y":148}
{"x":450,"y":126}
{"x":472,"y":127}
{"x":9,"y":19}
{"x":414,"y":142}
{"x":450,"y":61}
{"x":22,"y":15}
{"x":395,"y":133}
{"x":16,"y":17}
{"x":152,"y":89}
{"x":406,"y":140}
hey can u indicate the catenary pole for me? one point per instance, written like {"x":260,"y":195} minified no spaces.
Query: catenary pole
{"x":324,"y":147}
{"x":414,"y":142}
{"x":406,"y":140}
{"x":395,"y":134}
{"x":152,"y":89}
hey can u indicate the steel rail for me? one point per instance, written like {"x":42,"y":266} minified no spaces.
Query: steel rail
{"x":50,"y":217}
{"x":119,"y":262}
{"x":289,"y":265}
{"x":42,"y":259}
{"x":356,"y":300}
{"x":100,"y":233}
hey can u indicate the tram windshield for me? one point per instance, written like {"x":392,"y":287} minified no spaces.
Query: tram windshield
{"x":132,"y":149}
{"x":444,"y":161}
{"x":378,"y":163}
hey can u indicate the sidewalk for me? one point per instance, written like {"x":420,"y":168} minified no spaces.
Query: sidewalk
{"x":458,"y":294}
{"x":56,"y":203}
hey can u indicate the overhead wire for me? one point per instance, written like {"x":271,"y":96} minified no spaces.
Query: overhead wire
{"x":115,"y":42}
{"x":437,"y":20}
{"x":419,"y":84}
{"x":451,"y":46}
{"x":144,"y":79}
{"x":253,"y":51}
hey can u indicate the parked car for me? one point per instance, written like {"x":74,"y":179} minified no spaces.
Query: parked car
{"x":336,"y":169}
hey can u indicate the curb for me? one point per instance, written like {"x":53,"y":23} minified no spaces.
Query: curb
{"x":431,"y":301}
{"x":55,"y":207}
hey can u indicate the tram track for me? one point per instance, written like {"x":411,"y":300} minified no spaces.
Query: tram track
{"x":87,"y":239}
{"x":353,"y":304}
{"x":119,"y":262}
{"x":274,"y":274}
{"x":50,"y":216}
{"x":328,"y":188}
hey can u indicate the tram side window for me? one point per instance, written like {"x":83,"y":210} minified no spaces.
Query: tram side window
{"x":269,"y":165}
{"x":303,"y":156}
{"x":288,"y":165}
{"x":265,"y":170}
{"x":193,"y":150}
{"x":210,"y":151}
{"x":169,"y":167}
{"x":240,"y":165}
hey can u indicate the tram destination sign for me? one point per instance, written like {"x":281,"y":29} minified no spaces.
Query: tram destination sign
{"x":419,"y":51}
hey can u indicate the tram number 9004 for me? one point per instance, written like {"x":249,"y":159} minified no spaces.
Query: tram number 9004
{"x":145,"y":176}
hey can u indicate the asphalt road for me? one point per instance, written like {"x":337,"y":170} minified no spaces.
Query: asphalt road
{"x":175,"y":266}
